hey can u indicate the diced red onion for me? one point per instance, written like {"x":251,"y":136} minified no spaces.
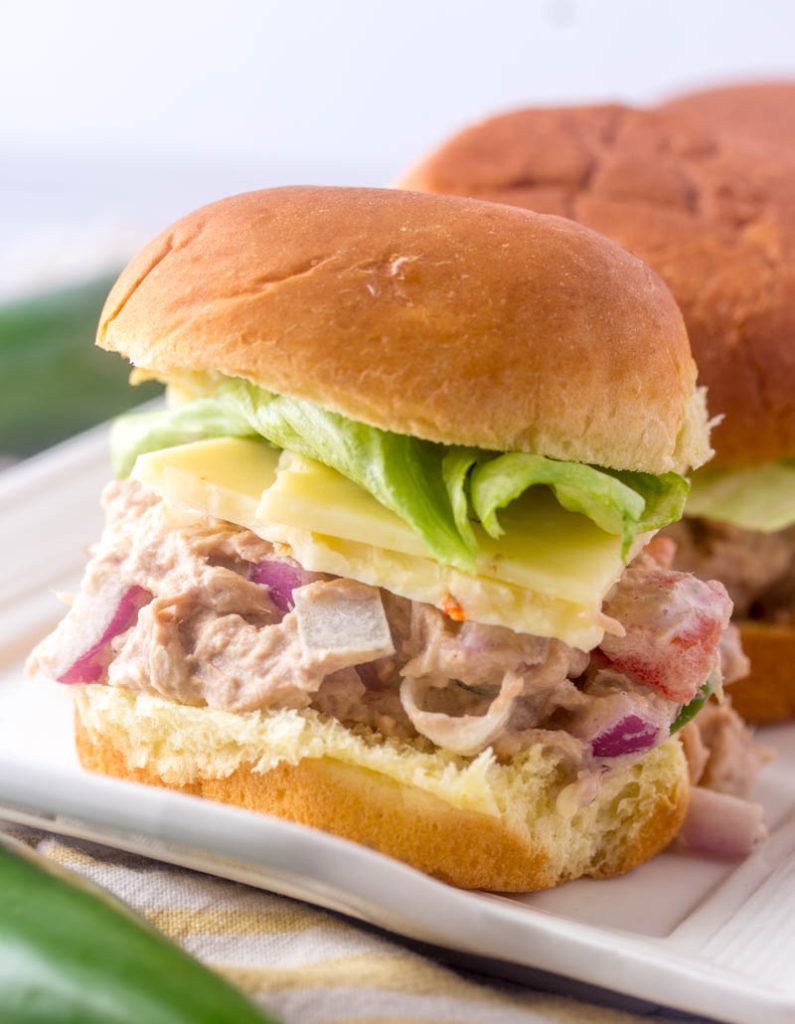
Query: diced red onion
{"x":630,"y":735}
{"x":620,"y":723}
{"x":281,"y":579}
{"x":91,"y":665}
{"x":721,"y":825}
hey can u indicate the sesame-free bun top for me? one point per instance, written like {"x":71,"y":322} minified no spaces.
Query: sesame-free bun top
{"x":449,"y":319}
{"x":760,"y":114}
{"x":715,"y":219}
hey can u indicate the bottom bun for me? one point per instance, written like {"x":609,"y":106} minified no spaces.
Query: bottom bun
{"x":474,"y":823}
{"x":768,"y":693}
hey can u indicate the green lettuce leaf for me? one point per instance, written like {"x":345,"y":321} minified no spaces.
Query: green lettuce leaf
{"x":619,"y":503}
{"x":139,"y":432}
{"x":402,"y":472}
{"x":664,"y":496}
{"x":756,"y":498}
{"x":456,"y":465}
{"x":436,"y":489}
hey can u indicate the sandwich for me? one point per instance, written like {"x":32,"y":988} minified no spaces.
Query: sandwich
{"x":386,"y":565}
{"x":757,"y":114}
{"x":717,"y":221}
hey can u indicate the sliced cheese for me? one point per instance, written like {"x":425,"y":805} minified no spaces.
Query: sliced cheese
{"x":544,"y":547}
{"x":421,"y":579}
{"x":224,"y":477}
{"x":547,"y":575}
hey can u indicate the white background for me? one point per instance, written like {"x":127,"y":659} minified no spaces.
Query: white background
{"x":115,"y":118}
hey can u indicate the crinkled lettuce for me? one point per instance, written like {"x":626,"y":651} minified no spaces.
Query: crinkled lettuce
{"x":402,"y":472}
{"x":620,"y":503}
{"x":434,"y":488}
{"x":199,"y":420}
{"x":756,"y":498}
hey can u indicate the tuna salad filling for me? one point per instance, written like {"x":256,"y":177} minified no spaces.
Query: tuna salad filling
{"x":199,"y":611}
{"x":758,"y":568}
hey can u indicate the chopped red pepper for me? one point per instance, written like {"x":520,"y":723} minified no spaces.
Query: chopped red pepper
{"x":452,"y":609}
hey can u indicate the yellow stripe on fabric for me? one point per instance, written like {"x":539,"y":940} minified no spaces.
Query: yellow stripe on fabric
{"x":549,"y":1009}
{"x":187,"y":922}
{"x":390,"y":972}
{"x":563,"y":1010}
{"x":576,"y":1013}
{"x":411,"y":1019}
{"x":403,"y":1019}
{"x":413,"y":976}
{"x":68,"y":856}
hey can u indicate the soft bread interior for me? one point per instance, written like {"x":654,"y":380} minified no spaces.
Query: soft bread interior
{"x":474,"y":822}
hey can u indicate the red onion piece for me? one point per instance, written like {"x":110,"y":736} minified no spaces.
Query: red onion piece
{"x":281,"y":579}
{"x":630,"y":735}
{"x":621,"y":723}
{"x":721,"y":825}
{"x":91,"y":665}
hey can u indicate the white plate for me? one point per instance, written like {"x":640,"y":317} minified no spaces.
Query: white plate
{"x":701,"y":936}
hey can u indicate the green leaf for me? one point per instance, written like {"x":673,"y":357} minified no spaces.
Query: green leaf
{"x":54,"y":382}
{"x":71,"y":953}
{"x":434,"y":488}
{"x":203,"y":418}
{"x":755,"y":498}
{"x":402,"y":472}
{"x":456,"y":465}
{"x":610,"y":502}
{"x":664,"y":496}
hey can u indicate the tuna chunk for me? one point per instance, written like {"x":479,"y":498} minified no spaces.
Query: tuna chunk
{"x":222,"y":630}
{"x":757,"y":568}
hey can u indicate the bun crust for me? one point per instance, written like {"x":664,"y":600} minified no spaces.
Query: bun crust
{"x":768,"y":693}
{"x":633,"y":818}
{"x":445,"y":318}
{"x":760,"y":114}
{"x":716,"y":220}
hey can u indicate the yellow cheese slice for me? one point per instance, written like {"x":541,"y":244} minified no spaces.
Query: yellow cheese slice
{"x":547,"y":575}
{"x":544,"y":547}
{"x":421,"y":579}
{"x":224,"y":477}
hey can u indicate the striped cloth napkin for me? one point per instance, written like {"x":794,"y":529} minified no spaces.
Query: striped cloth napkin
{"x":303,"y":964}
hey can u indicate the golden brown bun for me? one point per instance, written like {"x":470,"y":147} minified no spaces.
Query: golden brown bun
{"x":768,"y":693}
{"x":457,"y":321}
{"x":526,"y":847}
{"x":716,"y":221}
{"x":761,"y":114}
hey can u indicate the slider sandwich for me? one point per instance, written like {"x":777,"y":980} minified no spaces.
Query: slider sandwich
{"x":387,"y":563}
{"x":716,"y":220}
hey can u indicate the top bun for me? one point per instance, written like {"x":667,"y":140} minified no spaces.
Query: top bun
{"x":453,"y":320}
{"x":715,"y":219}
{"x":760,"y":114}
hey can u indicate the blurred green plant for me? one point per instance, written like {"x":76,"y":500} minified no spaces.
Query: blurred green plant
{"x":54,"y":382}
{"x":70,"y":953}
